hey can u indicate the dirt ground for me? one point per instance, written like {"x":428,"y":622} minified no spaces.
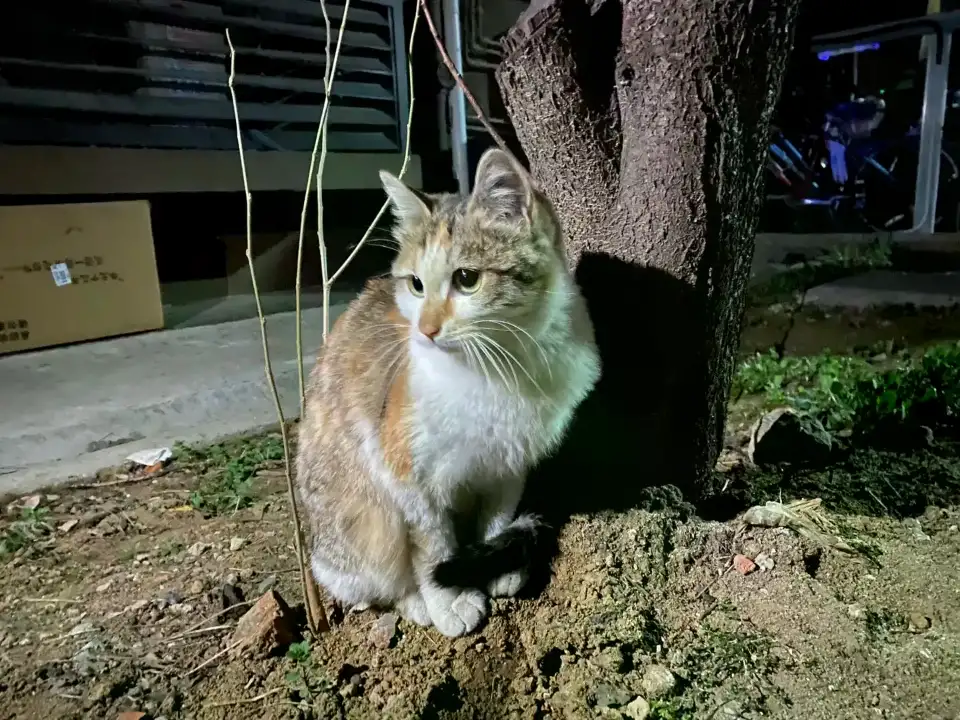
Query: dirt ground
{"x":119,"y":609}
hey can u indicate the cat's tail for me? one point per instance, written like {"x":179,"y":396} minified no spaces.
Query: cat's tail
{"x":516,"y":548}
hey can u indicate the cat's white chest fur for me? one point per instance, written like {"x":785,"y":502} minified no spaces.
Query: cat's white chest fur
{"x":470,"y":428}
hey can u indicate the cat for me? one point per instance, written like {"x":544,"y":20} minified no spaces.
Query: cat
{"x":437,"y":390}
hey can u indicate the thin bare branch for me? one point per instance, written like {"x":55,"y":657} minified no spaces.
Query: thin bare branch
{"x":318,"y":623}
{"x":324,"y":117}
{"x":458,"y":78}
{"x":406,"y":154}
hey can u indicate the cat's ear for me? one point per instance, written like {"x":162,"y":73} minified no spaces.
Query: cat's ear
{"x":502,"y":187}
{"x":409,"y":206}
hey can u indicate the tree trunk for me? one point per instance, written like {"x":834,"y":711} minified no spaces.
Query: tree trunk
{"x":646,"y":123}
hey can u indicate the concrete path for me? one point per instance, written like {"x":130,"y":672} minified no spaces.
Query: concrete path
{"x":888,"y":288}
{"x":73,"y":410}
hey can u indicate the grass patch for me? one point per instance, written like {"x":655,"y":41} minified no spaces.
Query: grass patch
{"x":727,"y":666}
{"x":883,"y":624}
{"x":32,"y":525}
{"x":227,"y":470}
{"x":849,"y":393}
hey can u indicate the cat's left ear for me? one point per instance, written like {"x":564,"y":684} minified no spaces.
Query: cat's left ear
{"x":502,"y":187}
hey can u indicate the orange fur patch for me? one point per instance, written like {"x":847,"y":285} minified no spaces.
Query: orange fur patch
{"x":441,"y":237}
{"x":395,"y":428}
{"x":434,"y":314}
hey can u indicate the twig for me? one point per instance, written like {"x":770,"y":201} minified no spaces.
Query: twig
{"x":213,"y":658}
{"x":122,"y":481}
{"x":317,"y":623}
{"x":406,"y":155}
{"x":321,"y":128}
{"x":458,"y":78}
{"x":245,"y":701}
{"x":198,"y":631}
{"x":51,"y":600}
{"x":324,"y":118}
{"x":312,"y":601}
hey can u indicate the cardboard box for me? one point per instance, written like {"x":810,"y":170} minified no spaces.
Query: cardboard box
{"x":76,"y":272}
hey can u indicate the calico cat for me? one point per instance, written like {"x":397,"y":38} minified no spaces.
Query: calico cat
{"x":435,"y":393}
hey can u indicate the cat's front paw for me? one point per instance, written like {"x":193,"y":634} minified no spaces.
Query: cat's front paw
{"x":456,"y":612}
{"x":507,"y":585}
{"x":414,"y":609}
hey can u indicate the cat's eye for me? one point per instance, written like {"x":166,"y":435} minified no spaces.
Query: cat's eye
{"x":466,"y":281}
{"x":415,"y":284}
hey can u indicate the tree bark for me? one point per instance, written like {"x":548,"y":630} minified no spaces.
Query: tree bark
{"x":646,"y":124}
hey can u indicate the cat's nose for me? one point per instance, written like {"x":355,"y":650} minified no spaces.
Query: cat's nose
{"x":429,"y":330}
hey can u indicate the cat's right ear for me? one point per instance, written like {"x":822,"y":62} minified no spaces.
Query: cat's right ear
{"x":409,"y":206}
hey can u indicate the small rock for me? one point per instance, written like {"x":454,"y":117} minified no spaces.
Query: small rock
{"x":731,"y":709}
{"x":856,"y":612}
{"x":172,"y":597}
{"x":236,"y":543}
{"x":918,"y":622}
{"x":637,"y":709}
{"x":68,"y":525}
{"x":658,"y":682}
{"x":111,"y":524}
{"x":197,"y":549}
{"x":913,"y":524}
{"x":32,"y":502}
{"x":743,"y":565}
{"x":353,"y":687}
{"x":195,"y":587}
{"x":265,"y":628}
{"x":933,"y":513}
{"x":266,"y":584}
{"x":230,"y":597}
{"x":132,"y":715}
{"x":784,"y":436}
{"x":384,"y":631}
{"x":104,"y":586}
{"x":81,"y":629}
{"x":607,"y":695}
{"x":764,"y":562}
{"x":142,"y":557}
{"x":612,"y":659}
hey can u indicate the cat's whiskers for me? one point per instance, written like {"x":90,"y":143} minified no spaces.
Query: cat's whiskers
{"x":514,"y":330}
{"x":512,"y":361}
{"x":473,"y":356}
{"x":375,"y":331}
{"x":484,"y":355}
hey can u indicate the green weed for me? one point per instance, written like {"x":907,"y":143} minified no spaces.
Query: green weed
{"x":227,"y":470}
{"x":851,"y":393}
{"x":882,"y":624}
{"x":668,"y":710}
{"x":32,"y":525}
{"x":305,"y":682}
{"x":299,"y":652}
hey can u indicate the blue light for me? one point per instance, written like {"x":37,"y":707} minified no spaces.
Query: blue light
{"x":827,"y":54}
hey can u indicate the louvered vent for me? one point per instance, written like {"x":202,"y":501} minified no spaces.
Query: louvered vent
{"x":153,"y":74}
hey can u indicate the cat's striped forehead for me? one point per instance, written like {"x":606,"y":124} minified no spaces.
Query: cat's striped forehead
{"x":471,"y":237}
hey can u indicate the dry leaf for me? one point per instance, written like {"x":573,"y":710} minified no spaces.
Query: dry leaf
{"x":802,"y":516}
